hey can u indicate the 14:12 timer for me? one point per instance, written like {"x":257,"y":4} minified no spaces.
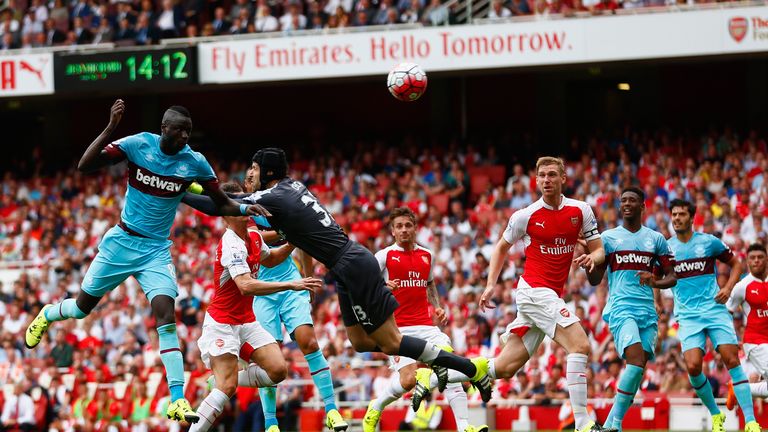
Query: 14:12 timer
{"x":171,"y":66}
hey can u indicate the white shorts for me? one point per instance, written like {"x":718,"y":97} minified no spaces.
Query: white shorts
{"x":219,"y":339}
{"x":758,"y":356}
{"x":539,"y":312}
{"x":431,"y":334}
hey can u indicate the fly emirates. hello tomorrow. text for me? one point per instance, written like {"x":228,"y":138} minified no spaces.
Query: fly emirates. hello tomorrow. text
{"x":380,"y":48}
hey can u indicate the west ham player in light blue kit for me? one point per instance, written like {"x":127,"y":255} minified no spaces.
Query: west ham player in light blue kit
{"x":294,"y":310}
{"x":160,"y":168}
{"x":701,"y":312}
{"x":632,"y":250}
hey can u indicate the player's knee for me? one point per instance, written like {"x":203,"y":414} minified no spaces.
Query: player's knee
{"x":694,"y":368}
{"x":581,"y":347}
{"x":731,"y":361}
{"x":309,"y":346}
{"x":390,"y":348}
{"x":408,"y":380}
{"x":277,"y":372}
{"x":228,"y":385}
{"x":163,"y":310}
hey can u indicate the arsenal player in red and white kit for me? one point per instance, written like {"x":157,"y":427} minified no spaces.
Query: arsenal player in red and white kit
{"x":230,"y":329}
{"x":550,"y":228}
{"x":407,"y":269}
{"x":751,"y":293}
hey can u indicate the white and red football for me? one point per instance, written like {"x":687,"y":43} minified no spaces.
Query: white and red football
{"x":407,"y":82}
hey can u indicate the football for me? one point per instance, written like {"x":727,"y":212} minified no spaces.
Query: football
{"x":407,"y":82}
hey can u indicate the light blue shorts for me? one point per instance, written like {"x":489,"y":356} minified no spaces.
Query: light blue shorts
{"x":693,"y":333}
{"x":628,"y":331}
{"x":291,"y":308}
{"x":122,"y":255}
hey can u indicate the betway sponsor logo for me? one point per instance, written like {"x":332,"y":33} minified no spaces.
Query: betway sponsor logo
{"x":147,"y":182}
{"x":690,"y":266}
{"x":695,"y":267}
{"x":155,"y":181}
{"x":557,"y":250}
{"x":633,"y":258}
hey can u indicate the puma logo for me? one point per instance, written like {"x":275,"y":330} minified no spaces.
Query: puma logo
{"x":396,"y":258}
{"x":754,"y":291}
{"x":541,"y":224}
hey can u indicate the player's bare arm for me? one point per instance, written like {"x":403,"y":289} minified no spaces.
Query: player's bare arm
{"x":668,"y":281}
{"x":207,"y":205}
{"x":278,"y":255}
{"x":307,"y":264}
{"x":725,"y":292}
{"x":270,"y":236}
{"x":657,"y":302}
{"x":434,"y":300}
{"x":596,"y":255}
{"x":498,"y":256}
{"x":254,"y":287}
{"x":94,"y":156}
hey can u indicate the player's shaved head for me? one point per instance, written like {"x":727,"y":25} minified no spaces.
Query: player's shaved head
{"x":178,"y":109}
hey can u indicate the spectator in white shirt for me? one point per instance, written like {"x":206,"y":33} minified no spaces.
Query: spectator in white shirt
{"x":498,"y":10}
{"x":15,"y":321}
{"x":18,"y":411}
{"x":754,"y":227}
{"x":293,"y":19}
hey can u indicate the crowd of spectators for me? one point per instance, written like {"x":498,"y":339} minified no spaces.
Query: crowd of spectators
{"x":105,"y":371}
{"x":40,"y":23}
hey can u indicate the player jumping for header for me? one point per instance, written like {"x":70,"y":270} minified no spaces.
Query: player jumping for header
{"x":367,"y":306}
{"x":160,"y":168}
{"x":230,"y":328}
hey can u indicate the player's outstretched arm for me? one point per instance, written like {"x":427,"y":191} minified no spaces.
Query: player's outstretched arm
{"x":595,"y":257}
{"x":95,"y":157}
{"x":278,"y":255}
{"x":207,"y":205}
{"x":230,"y":207}
{"x":254,"y":287}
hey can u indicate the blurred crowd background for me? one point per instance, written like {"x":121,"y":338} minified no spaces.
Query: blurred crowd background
{"x":105,"y":372}
{"x":39,"y":23}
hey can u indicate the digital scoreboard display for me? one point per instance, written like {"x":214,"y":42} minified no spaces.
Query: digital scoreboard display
{"x":126,"y":70}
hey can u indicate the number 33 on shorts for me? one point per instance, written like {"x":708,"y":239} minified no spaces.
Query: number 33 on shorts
{"x":362,"y":317}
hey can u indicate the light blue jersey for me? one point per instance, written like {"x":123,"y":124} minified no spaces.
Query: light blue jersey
{"x":697,"y":275}
{"x":699,"y":315}
{"x":289,"y":308}
{"x":139,"y":246}
{"x":626,"y":254}
{"x":156,"y":182}
{"x":630,"y":311}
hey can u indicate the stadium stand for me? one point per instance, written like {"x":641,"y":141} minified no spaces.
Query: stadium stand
{"x":104,"y":373}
